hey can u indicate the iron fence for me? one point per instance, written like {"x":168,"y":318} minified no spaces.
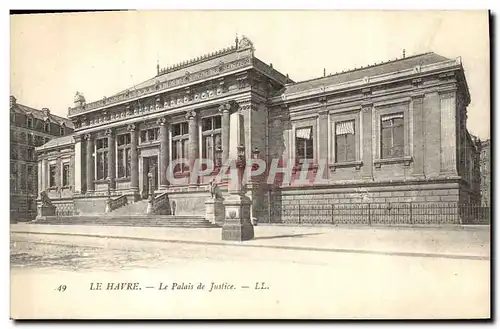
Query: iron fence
{"x":64,"y":212}
{"x":401,"y":213}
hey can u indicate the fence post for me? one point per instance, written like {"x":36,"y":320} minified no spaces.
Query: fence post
{"x":411,"y":214}
{"x":369,"y":216}
{"x":333,"y":206}
{"x":299,"y":211}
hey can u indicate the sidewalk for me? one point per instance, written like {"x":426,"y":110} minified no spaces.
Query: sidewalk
{"x":417,"y":242}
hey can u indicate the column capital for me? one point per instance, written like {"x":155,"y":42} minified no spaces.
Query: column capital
{"x":162,"y":121}
{"x":77,"y":138}
{"x":230,"y":107}
{"x":191,"y":115}
{"x":109,"y":132}
{"x":88,"y":136}
{"x":417,"y":95}
{"x":252,"y":106}
{"x":131,"y":127}
{"x":366,"y":105}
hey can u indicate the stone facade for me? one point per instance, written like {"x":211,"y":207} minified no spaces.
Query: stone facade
{"x":387,"y":133}
{"x":29,"y":128}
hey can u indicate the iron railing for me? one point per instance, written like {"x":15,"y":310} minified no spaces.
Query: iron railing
{"x":400,"y":213}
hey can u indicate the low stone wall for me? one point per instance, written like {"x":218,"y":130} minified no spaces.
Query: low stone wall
{"x":87,"y":205}
{"x":368,"y":205}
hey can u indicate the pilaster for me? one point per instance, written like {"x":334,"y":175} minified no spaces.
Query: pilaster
{"x":448,"y":131}
{"x":418,"y":135}
{"x":367,"y":140}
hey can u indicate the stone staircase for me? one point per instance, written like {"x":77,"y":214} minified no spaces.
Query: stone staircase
{"x":142,"y":220}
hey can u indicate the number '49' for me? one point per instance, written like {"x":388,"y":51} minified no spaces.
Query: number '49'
{"x":61,"y":288}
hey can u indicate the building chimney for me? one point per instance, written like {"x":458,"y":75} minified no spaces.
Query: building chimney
{"x":12,"y":101}
{"x":404,"y":53}
{"x":46,"y":112}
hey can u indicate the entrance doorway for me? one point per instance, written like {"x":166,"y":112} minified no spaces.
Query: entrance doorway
{"x":149,"y":165}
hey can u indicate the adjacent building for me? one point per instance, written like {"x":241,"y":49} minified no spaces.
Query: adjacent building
{"x":485,"y":161}
{"x":389,"y":133}
{"x":29,"y":128}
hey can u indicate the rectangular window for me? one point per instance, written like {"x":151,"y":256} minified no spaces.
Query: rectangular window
{"x":65,"y":177}
{"x":52,"y":175}
{"x":304,"y":144}
{"x":212,"y":140}
{"x":61,"y":131}
{"x":123,"y":155}
{"x":180,"y":129}
{"x":30,"y":139}
{"x":31,"y":154}
{"x":150,"y":135}
{"x":46,"y":127}
{"x":345,"y":142}
{"x":29,"y":122}
{"x":180,"y":141}
{"x":22,"y":177}
{"x":13,"y":153}
{"x":392,"y":136}
{"x":102,"y":158}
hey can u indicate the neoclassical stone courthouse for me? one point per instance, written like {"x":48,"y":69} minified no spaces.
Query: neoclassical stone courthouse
{"x":390,"y":132}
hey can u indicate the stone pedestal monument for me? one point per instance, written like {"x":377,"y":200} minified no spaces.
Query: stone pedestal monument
{"x":214,"y":208}
{"x":237,"y":225}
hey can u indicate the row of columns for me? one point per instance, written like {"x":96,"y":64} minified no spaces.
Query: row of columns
{"x":191,"y":116}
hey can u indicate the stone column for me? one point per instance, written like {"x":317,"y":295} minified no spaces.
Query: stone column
{"x":418,"y":135}
{"x":111,"y":158}
{"x":237,"y":224}
{"x":134,"y":159}
{"x":40,"y":176}
{"x":366,"y":126}
{"x":77,"y":169}
{"x":90,"y":162}
{"x":225,"y":109}
{"x":192,"y":116}
{"x":164,"y":151}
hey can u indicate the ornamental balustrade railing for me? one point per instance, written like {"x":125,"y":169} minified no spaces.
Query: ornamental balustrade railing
{"x":161,"y":204}
{"x":389,"y":214}
{"x":118,"y":202}
{"x":167,"y":84}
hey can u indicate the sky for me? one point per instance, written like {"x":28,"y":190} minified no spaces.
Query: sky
{"x":99,"y":54}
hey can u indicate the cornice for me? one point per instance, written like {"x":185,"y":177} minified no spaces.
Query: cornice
{"x":370,"y":82}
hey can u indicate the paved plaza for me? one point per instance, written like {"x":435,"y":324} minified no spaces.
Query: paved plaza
{"x":343,"y":272}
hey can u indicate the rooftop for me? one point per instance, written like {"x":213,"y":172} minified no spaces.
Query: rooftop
{"x":368,"y":71}
{"x":60,"y":141}
{"x":39,"y":114}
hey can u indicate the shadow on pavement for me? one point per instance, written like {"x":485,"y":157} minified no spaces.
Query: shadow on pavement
{"x":285,"y":236}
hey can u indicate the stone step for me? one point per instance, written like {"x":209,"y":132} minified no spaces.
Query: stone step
{"x":137,"y":220}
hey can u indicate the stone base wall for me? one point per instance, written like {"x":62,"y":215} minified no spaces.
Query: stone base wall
{"x":87,"y":205}
{"x":429,"y":203}
{"x":22,"y":207}
{"x":64,"y":207}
